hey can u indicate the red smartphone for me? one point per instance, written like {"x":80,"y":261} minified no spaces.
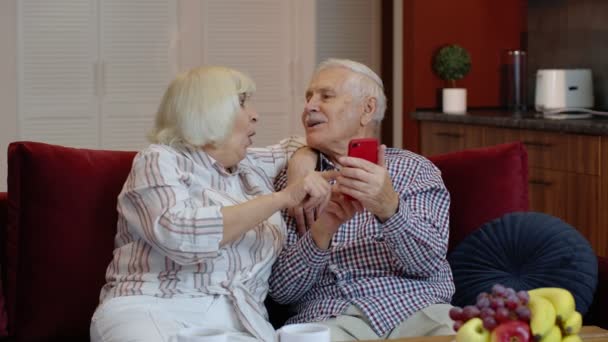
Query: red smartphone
{"x":364,"y":148}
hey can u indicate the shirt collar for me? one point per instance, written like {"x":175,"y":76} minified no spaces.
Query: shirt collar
{"x":324,"y":164}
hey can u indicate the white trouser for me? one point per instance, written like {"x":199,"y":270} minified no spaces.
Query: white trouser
{"x":151,"y":319}
{"x":433,"y":320}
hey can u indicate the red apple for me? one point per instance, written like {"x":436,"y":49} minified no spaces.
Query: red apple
{"x":511,"y":331}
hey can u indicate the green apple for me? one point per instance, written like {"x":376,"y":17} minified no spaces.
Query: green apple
{"x":473,"y":331}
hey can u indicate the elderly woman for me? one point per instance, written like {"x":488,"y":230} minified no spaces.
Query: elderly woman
{"x":198,"y":223}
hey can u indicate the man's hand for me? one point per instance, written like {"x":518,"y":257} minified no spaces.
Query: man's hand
{"x":301,"y":164}
{"x":338,"y":211}
{"x":369,"y":184}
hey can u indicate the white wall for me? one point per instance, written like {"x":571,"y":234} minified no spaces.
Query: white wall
{"x":8,"y":81}
{"x":190,"y":55}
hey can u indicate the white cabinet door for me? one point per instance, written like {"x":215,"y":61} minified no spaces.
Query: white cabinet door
{"x":254,"y":36}
{"x":137,"y":48}
{"x":57,"y":52}
{"x":92,"y":72}
{"x":349,"y":29}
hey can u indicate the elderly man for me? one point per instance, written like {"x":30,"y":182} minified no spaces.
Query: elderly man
{"x":373,"y":267}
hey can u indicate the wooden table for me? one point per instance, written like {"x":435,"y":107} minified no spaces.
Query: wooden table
{"x":588,"y":333}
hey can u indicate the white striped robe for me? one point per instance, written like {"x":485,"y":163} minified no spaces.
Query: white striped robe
{"x":170,"y":226}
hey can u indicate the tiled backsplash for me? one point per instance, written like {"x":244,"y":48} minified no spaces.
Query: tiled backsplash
{"x":569,"y":34}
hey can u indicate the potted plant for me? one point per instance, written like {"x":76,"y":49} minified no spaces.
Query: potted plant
{"x":452,"y":63}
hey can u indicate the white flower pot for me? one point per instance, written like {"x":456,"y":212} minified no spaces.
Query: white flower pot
{"x":454,"y":100}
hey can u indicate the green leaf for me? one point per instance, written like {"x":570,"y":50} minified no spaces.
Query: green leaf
{"x":452,"y":62}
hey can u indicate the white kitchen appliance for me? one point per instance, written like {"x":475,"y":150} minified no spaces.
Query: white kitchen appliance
{"x":563,"y":90}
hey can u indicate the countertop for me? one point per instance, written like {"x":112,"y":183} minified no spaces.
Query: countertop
{"x":598,"y":125}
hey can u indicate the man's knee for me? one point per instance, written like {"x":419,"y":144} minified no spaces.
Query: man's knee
{"x":433,"y":320}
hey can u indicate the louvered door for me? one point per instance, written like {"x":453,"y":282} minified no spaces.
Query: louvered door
{"x":137,"y":44}
{"x":57,"y":52}
{"x":92,"y":72}
{"x":349,"y":29}
{"x":254,"y":37}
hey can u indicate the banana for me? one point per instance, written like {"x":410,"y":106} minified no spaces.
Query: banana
{"x":554,"y":335}
{"x":542,"y":316}
{"x":562,"y":300}
{"x":572,"y":338}
{"x":573,"y":324}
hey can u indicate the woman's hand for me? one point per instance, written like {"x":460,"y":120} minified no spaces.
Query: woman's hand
{"x":312,"y":192}
{"x":338,"y":211}
{"x":301,"y":164}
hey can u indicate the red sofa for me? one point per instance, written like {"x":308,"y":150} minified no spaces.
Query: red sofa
{"x":57,"y":227}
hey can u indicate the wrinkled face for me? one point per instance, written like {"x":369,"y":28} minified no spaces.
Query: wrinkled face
{"x":331,"y":115}
{"x":235,"y":146}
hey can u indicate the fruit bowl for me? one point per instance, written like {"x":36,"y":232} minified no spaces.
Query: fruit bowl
{"x":507,"y":315}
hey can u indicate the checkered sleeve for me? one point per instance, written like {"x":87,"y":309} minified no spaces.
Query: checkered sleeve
{"x":419,"y":230}
{"x":297,"y":269}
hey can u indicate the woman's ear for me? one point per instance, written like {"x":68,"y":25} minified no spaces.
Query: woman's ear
{"x":369,"y":108}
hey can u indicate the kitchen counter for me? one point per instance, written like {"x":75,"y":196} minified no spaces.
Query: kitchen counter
{"x":529,"y":120}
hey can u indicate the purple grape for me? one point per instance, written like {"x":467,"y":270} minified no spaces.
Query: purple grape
{"x":512,"y":302}
{"x":457,"y":325}
{"x":523,"y":296}
{"x":469,"y":312}
{"x":523,"y":313}
{"x":456,"y":314}
{"x":483,"y":295}
{"x":502,"y":315}
{"x":483,"y":302}
{"x":499,"y":290}
{"x":489,"y":323}
{"x":487,"y":312}
{"x":509,"y":292}
{"x":497,"y":302}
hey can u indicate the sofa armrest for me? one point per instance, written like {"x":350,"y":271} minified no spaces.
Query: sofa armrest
{"x":3,"y":212}
{"x":3,"y":228}
{"x":597,"y":312}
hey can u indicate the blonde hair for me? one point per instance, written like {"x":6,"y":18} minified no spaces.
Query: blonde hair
{"x":199,"y":106}
{"x":363,"y":83}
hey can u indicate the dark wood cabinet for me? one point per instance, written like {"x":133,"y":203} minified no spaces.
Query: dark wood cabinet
{"x":567,"y":176}
{"x":442,"y":138}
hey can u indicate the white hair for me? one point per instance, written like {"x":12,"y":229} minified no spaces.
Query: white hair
{"x":364,"y":82}
{"x":199,"y":106}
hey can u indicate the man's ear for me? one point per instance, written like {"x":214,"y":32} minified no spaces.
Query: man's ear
{"x":369,"y":108}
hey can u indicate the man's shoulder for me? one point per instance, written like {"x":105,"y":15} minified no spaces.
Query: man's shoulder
{"x":398,"y":158}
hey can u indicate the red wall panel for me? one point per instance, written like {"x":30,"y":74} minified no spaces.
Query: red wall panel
{"x":486,"y":28}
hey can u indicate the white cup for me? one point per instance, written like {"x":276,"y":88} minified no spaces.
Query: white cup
{"x":305,"y":332}
{"x":201,"y":335}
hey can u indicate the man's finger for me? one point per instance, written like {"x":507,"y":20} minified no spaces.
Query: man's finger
{"x":381,"y":153}
{"x":329,"y":175}
{"x":300,"y":220}
{"x":357,"y":163}
{"x":310,"y":215}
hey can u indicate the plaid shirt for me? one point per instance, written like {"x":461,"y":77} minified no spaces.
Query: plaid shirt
{"x":388,"y":270}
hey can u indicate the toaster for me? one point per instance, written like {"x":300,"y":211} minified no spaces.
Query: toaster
{"x":563,"y":89}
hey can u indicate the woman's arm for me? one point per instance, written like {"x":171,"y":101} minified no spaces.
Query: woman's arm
{"x":238,"y":219}
{"x":157,"y":205}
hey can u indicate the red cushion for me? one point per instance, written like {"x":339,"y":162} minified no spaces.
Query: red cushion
{"x":62,"y":222}
{"x":484,"y":184}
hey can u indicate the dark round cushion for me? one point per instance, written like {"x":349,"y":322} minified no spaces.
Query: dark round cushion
{"x":524,"y":250}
